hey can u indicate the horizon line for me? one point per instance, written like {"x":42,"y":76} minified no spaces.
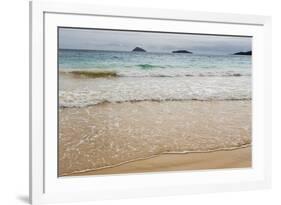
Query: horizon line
{"x":84,"y":49}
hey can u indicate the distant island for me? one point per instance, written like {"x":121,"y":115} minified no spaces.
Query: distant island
{"x":138,"y":49}
{"x":181,"y":51}
{"x":247,"y":53}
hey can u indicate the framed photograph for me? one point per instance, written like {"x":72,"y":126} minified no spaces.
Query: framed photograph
{"x":129,"y":102}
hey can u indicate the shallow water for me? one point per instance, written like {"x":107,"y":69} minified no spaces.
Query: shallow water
{"x":130,"y":76}
{"x":112,"y":133}
{"x":80,"y":92}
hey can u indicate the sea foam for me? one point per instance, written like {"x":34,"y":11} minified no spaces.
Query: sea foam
{"x":80,"y":92}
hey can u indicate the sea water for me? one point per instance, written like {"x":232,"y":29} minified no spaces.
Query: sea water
{"x":109,"y":112}
{"x":144,"y":76}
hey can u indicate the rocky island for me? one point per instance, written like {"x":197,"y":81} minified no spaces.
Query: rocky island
{"x":181,"y":51}
{"x":138,"y":49}
{"x":247,"y":53}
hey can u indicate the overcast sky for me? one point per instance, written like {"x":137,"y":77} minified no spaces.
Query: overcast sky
{"x":152,"y":42}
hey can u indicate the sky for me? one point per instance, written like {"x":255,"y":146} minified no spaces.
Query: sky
{"x":92,"y":39}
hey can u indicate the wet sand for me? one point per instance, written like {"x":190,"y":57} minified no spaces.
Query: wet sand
{"x":110,"y":134}
{"x":238,"y":158}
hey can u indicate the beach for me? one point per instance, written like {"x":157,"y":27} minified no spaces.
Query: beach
{"x":237,"y":158}
{"x":135,"y":112}
{"x":152,"y":136}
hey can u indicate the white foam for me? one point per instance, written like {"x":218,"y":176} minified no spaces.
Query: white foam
{"x":80,"y":92}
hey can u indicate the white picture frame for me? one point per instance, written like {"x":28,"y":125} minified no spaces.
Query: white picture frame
{"x":46,"y":187}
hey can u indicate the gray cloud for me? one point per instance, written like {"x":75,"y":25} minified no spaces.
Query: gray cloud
{"x":153,"y":42}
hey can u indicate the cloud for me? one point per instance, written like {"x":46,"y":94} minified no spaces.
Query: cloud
{"x":153,"y":42}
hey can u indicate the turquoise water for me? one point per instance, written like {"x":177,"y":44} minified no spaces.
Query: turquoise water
{"x":152,"y":76}
{"x":142,"y":63}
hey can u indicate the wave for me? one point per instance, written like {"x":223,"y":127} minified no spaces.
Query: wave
{"x":88,"y":104}
{"x":151,"y":73}
{"x":92,"y":90}
{"x":147,"y":66}
{"x":185,"y":75}
{"x":93,"y":74}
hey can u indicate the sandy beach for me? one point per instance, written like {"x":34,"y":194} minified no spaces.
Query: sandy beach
{"x":238,"y":158}
{"x":129,"y":137}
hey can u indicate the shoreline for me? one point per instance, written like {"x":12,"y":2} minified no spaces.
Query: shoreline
{"x":155,"y":156}
{"x":154,"y":100}
{"x":217,"y":159}
{"x":109,"y":135}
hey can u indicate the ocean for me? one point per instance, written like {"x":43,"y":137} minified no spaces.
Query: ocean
{"x":88,"y":77}
{"x":120,"y":107}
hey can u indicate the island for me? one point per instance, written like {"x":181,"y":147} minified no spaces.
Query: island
{"x":181,"y":51}
{"x":138,"y":49}
{"x":247,"y":53}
